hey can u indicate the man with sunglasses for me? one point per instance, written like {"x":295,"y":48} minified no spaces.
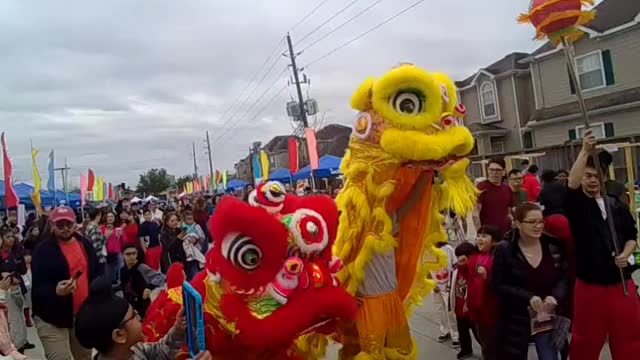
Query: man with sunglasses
{"x":63,"y":266}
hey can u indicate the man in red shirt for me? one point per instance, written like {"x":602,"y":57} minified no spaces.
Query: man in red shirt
{"x":495,"y":200}
{"x":62,"y":267}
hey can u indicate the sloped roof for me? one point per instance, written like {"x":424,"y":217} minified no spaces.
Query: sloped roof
{"x":479,"y":127}
{"x":595,"y":103}
{"x":507,"y":63}
{"x":277,"y":143}
{"x":613,"y":13}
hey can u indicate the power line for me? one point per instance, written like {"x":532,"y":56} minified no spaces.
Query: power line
{"x":342,"y":25}
{"x":233,"y":124}
{"x":308,"y":15}
{"x":275,"y":51}
{"x":264,"y":77}
{"x":263,"y":108}
{"x":364,"y":33}
{"x":327,"y":21}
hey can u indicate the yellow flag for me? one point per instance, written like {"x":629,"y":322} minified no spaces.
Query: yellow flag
{"x":35,"y":196}
{"x":264,"y":164}
{"x":190,"y":188}
{"x":100,"y":189}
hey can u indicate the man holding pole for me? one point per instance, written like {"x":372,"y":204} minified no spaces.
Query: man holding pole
{"x":603,"y":308}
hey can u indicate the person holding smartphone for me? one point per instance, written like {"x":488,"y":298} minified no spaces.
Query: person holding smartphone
{"x":62,"y":267}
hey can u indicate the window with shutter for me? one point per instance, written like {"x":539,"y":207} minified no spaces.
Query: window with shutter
{"x":488,"y":100}
{"x":572,"y":134}
{"x":608,"y":130}
{"x":607,"y":63}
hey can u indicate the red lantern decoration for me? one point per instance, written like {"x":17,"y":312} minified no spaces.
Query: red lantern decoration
{"x":557,"y":19}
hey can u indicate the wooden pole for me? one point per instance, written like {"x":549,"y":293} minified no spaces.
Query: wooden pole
{"x":573,"y":74}
{"x":628,"y":159}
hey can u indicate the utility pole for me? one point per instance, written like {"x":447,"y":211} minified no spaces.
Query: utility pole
{"x":195,"y":162}
{"x":64,"y":174}
{"x":213,"y":181}
{"x":294,"y":67}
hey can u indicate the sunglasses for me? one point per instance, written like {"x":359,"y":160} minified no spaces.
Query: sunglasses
{"x":64,"y":224}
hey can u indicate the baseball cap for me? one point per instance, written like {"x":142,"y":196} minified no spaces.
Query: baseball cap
{"x":62,"y":213}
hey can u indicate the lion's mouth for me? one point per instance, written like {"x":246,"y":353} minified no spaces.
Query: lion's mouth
{"x":434,"y":164}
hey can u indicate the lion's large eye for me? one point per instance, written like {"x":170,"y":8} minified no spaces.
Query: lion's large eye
{"x":242,"y":252}
{"x":408,"y":102}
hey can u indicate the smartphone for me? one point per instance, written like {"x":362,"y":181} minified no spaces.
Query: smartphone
{"x":195,"y":319}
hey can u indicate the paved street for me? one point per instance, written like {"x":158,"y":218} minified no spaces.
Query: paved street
{"x":424,"y":330}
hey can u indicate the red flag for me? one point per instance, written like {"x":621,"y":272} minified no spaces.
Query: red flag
{"x":10,"y":197}
{"x":110,"y":191}
{"x":293,"y":155}
{"x":91,"y":181}
{"x":312,"y":146}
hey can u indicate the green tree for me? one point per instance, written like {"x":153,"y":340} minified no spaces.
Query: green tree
{"x":154,"y":181}
{"x":182,"y":180}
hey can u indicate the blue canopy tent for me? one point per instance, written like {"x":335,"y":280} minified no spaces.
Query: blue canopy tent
{"x":236,"y":184}
{"x":328,"y":166}
{"x":281,"y":175}
{"x":24,"y":194}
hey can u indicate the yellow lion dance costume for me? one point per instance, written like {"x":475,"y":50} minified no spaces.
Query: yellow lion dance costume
{"x":404,"y":165}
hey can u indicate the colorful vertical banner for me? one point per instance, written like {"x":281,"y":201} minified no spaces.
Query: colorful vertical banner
{"x":105,"y":190}
{"x":10,"y":197}
{"x":224,"y":179}
{"x":265,"y":164}
{"x":98,"y":189}
{"x":293,"y":155}
{"x":312,"y":146}
{"x":189,"y":187}
{"x":257,"y":171}
{"x":91,"y":181}
{"x":111,"y":197}
{"x":83,"y":190}
{"x":37,"y":182}
{"x":51,"y":182}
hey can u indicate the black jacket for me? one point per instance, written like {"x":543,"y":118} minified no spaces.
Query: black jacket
{"x":509,"y":279}
{"x":48,"y":268}
{"x":552,"y":198}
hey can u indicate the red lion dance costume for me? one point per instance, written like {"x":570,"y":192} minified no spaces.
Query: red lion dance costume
{"x":269,"y":281}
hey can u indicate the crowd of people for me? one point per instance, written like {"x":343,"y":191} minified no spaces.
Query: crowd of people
{"x":545,"y":268}
{"x":49,"y":266}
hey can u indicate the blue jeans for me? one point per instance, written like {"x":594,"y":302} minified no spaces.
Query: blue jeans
{"x":544,"y":347}
{"x":114,"y":263}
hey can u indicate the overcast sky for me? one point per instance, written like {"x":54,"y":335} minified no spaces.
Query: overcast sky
{"x":122,"y":86}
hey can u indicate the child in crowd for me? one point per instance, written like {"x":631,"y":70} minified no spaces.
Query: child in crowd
{"x":446,"y":317}
{"x":481,"y":300}
{"x":7,"y":348}
{"x":111,"y":326}
{"x":138,"y":280}
{"x":459,"y":296}
{"x":193,"y":236}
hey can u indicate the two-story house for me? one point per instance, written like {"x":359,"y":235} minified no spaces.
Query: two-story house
{"x":498,"y":104}
{"x":607,"y":60}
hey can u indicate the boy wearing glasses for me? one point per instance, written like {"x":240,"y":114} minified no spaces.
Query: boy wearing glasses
{"x":62,"y":267}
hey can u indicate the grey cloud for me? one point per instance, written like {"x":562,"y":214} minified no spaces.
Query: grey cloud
{"x":121,"y":86}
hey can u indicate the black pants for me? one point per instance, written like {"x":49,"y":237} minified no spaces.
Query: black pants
{"x":487,"y":340}
{"x":465,"y":328}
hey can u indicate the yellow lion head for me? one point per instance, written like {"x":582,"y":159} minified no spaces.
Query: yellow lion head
{"x":412,"y":115}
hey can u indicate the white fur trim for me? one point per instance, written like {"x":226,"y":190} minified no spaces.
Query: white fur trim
{"x":268,"y":195}
{"x":276,"y":294}
{"x":252,"y":198}
{"x":297,"y":234}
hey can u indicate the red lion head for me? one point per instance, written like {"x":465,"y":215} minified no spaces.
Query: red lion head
{"x":284,"y":258}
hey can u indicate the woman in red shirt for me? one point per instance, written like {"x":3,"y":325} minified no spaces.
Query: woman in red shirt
{"x":129,"y":228}
{"x":115,"y":239}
